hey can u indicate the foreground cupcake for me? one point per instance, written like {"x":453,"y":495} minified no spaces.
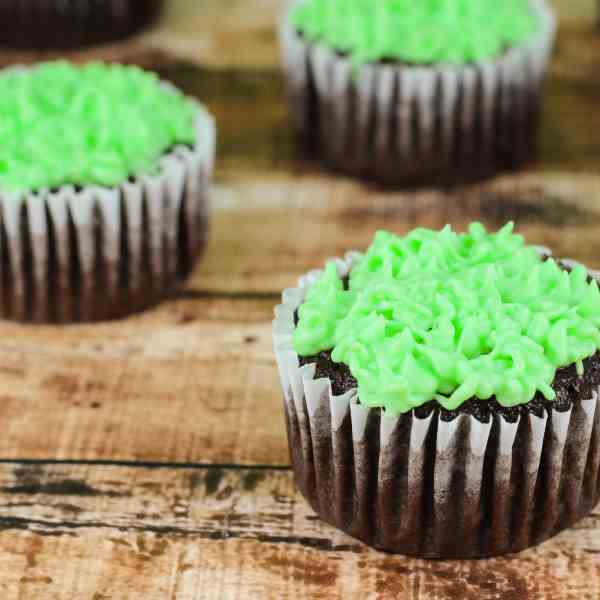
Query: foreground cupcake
{"x":104,"y":171}
{"x":60,"y":24}
{"x":403,"y":91}
{"x":441,"y":392}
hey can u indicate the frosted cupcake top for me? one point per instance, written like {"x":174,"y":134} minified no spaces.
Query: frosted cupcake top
{"x":417,"y":31}
{"x":93,"y":124}
{"x":447,"y":316}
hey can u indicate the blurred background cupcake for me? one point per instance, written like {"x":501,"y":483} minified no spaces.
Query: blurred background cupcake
{"x":104,"y":174}
{"x":414,"y":92}
{"x":66,"y":24}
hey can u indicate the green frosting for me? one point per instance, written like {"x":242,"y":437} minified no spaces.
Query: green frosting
{"x":417,"y":31}
{"x":93,"y":124}
{"x":447,"y":316}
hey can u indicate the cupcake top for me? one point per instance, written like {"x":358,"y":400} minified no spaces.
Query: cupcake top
{"x":93,"y":124}
{"x":417,"y":32}
{"x":447,"y":316}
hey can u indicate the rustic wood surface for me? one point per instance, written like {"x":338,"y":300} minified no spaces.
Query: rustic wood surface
{"x":73,"y":531}
{"x":147,"y":458}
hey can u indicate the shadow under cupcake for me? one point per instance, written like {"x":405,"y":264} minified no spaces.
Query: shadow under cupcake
{"x":104,"y":178}
{"x":408,"y":93}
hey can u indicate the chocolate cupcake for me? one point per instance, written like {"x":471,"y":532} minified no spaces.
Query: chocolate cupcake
{"x":60,"y":24}
{"x":441,"y":392}
{"x":415,"y":92}
{"x":104,"y":174}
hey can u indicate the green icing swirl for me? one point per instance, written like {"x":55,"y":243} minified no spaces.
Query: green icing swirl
{"x":417,"y":31}
{"x":447,"y":316}
{"x":92,"y":124}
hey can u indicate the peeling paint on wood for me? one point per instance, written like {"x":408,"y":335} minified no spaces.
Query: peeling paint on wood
{"x":194,"y":381}
{"x":155,"y":532}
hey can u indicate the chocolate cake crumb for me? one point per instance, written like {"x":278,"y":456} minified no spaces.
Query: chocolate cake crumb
{"x":568,"y":385}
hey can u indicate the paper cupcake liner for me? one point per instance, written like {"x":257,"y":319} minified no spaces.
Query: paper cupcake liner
{"x":401,"y":124}
{"x":95,"y":253}
{"x":428,"y":487}
{"x":55,"y":24}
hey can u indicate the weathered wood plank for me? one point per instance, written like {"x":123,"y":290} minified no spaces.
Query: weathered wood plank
{"x":179,"y":383}
{"x":192,"y":380}
{"x":268,"y":230}
{"x":107,"y":532}
{"x":195,"y":379}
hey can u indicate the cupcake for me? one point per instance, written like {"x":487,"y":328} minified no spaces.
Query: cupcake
{"x":441,"y":390}
{"x":104,"y":173}
{"x":407,"y":92}
{"x":60,"y":24}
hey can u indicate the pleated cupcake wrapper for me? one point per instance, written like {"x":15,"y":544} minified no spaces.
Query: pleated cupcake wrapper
{"x":429,"y":487}
{"x":118,"y":10}
{"x":69,"y":23}
{"x":96,"y":253}
{"x":397,"y":122}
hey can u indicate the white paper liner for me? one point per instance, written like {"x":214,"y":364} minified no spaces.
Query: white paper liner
{"x":399,"y":123}
{"x":428,"y":487}
{"x":98,"y":253}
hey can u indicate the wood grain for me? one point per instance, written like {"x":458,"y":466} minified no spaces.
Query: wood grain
{"x":269,"y":231}
{"x":190,"y":381}
{"x":107,"y":532}
{"x":179,"y":383}
{"x":193,"y":381}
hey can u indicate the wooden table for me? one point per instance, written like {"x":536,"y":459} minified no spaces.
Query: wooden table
{"x":146,"y":459}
